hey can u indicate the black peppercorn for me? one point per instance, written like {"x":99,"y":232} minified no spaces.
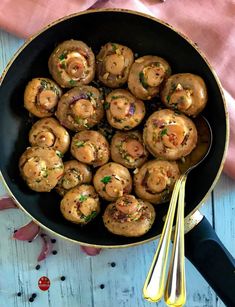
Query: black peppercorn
{"x":54,"y":252}
{"x":53,"y":240}
{"x":102,"y":286}
{"x":31,"y":299}
{"x":113,"y":264}
{"x":37,"y":267}
{"x":19,"y":294}
{"x":34,"y":295}
{"x":62,"y":278}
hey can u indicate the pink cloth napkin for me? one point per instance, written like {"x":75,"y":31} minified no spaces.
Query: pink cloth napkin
{"x":210,"y":23}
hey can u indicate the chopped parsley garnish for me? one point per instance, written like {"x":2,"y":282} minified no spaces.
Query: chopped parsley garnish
{"x":106,"y":179}
{"x":62,"y":57}
{"x":168,"y":97}
{"x":88,"y":218}
{"x":115,"y":97}
{"x":72,"y":82}
{"x":80,"y":143}
{"x":106,"y":105}
{"x":59,"y":154}
{"x":114,"y":47}
{"x":163,"y":132}
{"x":44,"y":84}
{"x":63,"y":65}
{"x":142,"y":80}
{"x":78,"y":120}
{"x":83,"y":198}
{"x":89,"y":94}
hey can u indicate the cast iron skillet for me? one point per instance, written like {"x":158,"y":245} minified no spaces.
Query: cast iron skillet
{"x":144,"y":35}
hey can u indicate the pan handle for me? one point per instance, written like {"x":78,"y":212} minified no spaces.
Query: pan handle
{"x":207,"y":253}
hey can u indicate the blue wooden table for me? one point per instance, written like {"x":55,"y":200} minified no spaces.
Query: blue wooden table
{"x":115,"y":277}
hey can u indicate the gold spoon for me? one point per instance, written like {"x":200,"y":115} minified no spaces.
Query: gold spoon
{"x":175,"y":293}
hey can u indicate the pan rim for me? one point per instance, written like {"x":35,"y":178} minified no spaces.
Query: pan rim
{"x":191,"y":222}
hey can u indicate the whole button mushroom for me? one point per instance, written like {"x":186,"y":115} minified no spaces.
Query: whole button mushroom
{"x":41,"y":96}
{"x":41,"y":168}
{"x":113,"y":64}
{"x":128,"y":149}
{"x":80,"y":108}
{"x":72,"y":63}
{"x":90,"y":147}
{"x":123,"y":110}
{"x":75,"y":174}
{"x":129,"y":216}
{"x":112,"y":180}
{"x":155,"y":181}
{"x":186,"y":93}
{"x":146,"y":76}
{"x":169,"y":135}
{"x":48,"y":132}
{"x":80,"y":205}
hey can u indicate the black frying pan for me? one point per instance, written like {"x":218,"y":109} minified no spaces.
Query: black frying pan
{"x":144,"y":35}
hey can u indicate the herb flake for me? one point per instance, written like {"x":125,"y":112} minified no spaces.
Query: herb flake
{"x":59,"y":154}
{"x":72,"y":82}
{"x":142,"y":80}
{"x":106,"y":179}
{"x":88,"y":218}
{"x":82,"y":197}
{"x":114,"y":46}
{"x":163,"y":132}
{"x":62,"y":57}
{"x":79,"y":144}
{"x":106,"y":105}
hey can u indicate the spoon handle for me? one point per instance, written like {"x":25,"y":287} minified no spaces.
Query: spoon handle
{"x":175,"y":290}
{"x":153,"y":289}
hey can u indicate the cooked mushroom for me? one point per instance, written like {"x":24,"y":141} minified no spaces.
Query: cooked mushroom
{"x":47,"y":132}
{"x":128,"y":149}
{"x":169,"y":135}
{"x":123,"y":110}
{"x":72,"y":63}
{"x":186,"y":93}
{"x":75,"y":174}
{"x":129,"y":217}
{"x":41,"y":96}
{"x":146,"y":76}
{"x":112,"y":180}
{"x":155,"y":180}
{"x":90,"y":147}
{"x":113,"y":64}
{"x":41,"y":168}
{"x":80,"y":205}
{"x":80,"y":108}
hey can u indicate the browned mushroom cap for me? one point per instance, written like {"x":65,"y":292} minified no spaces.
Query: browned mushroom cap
{"x":47,"y":132}
{"x":186,"y":93}
{"x":113,"y":64}
{"x":41,"y":97}
{"x":127,"y":148}
{"x":112,"y":180}
{"x":41,"y":168}
{"x":90,"y":147}
{"x":129,"y":217}
{"x":72,"y":63}
{"x":146,"y":75}
{"x":80,"y":108}
{"x":155,"y":180}
{"x":80,"y":205}
{"x":75,"y":174}
{"x":123,"y":110}
{"x":169,"y":135}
